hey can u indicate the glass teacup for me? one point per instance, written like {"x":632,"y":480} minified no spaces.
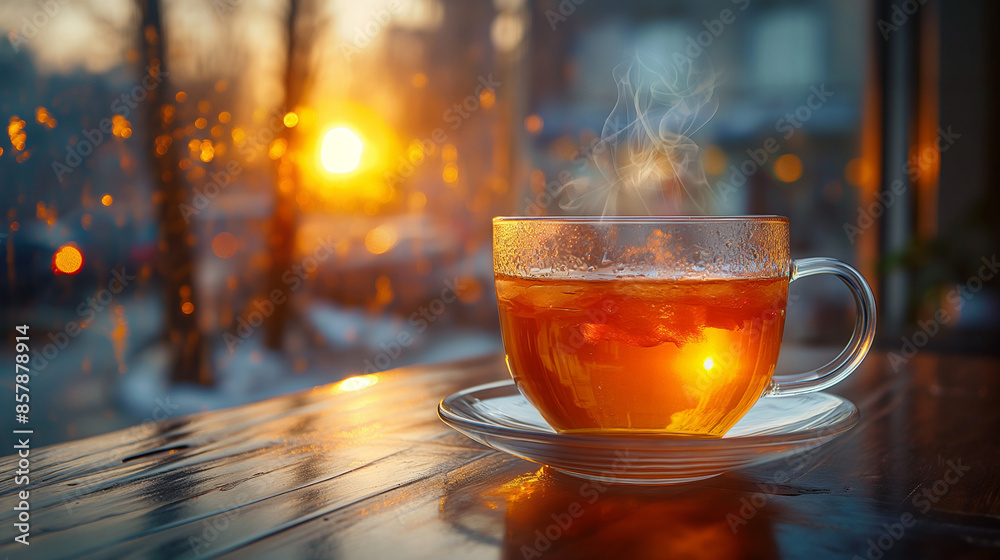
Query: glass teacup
{"x":667,"y":325}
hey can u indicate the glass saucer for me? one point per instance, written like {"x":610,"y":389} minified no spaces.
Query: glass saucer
{"x":498,"y":416}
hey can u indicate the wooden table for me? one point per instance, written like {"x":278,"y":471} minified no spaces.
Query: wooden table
{"x":373,"y":473}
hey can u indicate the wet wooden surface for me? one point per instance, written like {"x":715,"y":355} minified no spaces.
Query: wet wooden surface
{"x":373,"y":473}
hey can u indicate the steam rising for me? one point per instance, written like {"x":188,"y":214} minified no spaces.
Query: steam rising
{"x":645,"y":153}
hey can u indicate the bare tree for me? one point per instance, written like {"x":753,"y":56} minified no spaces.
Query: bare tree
{"x":301,"y":24}
{"x":188,"y":363}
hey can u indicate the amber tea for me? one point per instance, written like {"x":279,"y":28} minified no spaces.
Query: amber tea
{"x":681,"y":356}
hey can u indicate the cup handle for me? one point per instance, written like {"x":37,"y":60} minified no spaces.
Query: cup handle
{"x":861,"y":341}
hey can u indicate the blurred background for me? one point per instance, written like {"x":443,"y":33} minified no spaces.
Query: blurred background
{"x":208,"y":202}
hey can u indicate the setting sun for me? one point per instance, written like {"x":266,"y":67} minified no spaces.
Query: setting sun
{"x":341,"y":150}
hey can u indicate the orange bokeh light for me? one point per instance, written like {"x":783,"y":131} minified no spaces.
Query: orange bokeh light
{"x":381,"y":239}
{"x":533,"y":124}
{"x":788,"y":168}
{"x":858,"y":172}
{"x":450,"y":173}
{"x":224,"y":245}
{"x":67,"y":260}
{"x":107,"y":200}
{"x":487,"y":98}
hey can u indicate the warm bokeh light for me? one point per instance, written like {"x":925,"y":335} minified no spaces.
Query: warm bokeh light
{"x":450,"y":173}
{"x":43,"y":116}
{"x":120,"y":126}
{"x":225,"y":244}
{"x":487,"y":98}
{"x":469,"y":289}
{"x":714,"y":160}
{"x":858,"y":172}
{"x":67,"y":260}
{"x":381,"y":239}
{"x":341,"y":150}
{"x":107,"y":200}
{"x":358,"y":382}
{"x":277,"y":148}
{"x":181,"y":96}
{"x":291,"y":119}
{"x":788,"y":168}
{"x":417,"y":200}
{"x":708,"y":364}
{"x":419,"y":80}
{"x":15,"y":129}
{"x":415,"y":152}
{"x":533,"y":124}
{"x":207,"y":150}
{"x":187,"y":307}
